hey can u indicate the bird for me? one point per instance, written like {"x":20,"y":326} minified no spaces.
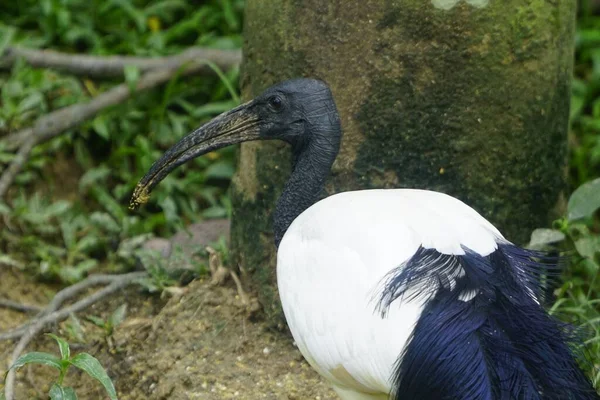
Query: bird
{"x":401,"y":294}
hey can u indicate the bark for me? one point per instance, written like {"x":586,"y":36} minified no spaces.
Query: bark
{"x":470,"y":98}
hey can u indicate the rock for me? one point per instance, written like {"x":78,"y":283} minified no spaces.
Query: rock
{"x":200,"y":235}
{"x":181,"y":251}
{"x":163,"y":246}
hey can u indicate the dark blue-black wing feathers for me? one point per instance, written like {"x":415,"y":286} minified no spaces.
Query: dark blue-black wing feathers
{"x":483,"y":334}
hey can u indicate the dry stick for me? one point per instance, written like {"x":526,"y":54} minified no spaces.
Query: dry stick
{"x":13,"y":305}
{"x":57,"y":122}
{"x":50,"y":125}
{"x":66,"y":294}
{"x":113,"y":66}
{"x":16,"y":164}
{"x":117,"y":282}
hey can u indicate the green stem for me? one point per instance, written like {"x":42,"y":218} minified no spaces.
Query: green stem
{"x":63,"y":373}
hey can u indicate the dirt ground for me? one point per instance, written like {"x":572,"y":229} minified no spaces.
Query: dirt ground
{"x":199,"y":343}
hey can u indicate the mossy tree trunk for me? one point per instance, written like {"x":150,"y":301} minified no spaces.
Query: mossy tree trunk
{"x":466,"y":97}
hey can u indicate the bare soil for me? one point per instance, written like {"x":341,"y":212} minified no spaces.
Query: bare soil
{"x":199,"y":343}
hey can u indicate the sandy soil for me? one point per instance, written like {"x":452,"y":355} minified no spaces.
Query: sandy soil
{"x":200,"y":343}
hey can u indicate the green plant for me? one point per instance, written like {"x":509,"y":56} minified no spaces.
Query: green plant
{"x":159,"y":279}
{"x":82,"y":361}
{"x":578,"y":234}
{"x":68,"y":213}
{"x":108,"y":325}
{"x":585,"y":100}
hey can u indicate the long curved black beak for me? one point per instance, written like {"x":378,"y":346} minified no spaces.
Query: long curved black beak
{"x":231,"y":127}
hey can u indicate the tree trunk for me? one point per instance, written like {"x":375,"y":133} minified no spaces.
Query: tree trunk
{"x":466,"y":97}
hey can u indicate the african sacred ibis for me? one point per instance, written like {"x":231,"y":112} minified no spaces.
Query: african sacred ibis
{"x":408,"y":294}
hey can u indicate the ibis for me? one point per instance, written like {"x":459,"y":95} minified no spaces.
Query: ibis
{"x":398,"y":293}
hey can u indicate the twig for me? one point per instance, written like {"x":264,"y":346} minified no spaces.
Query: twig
{"x":8,"y":176}
{"x":57,"y":122}
{"x":50,"y":315}
{"x":13,"y":305}
{"x":113,"y":66}
{"x":68,"y":293}
{"x":240,"y":288}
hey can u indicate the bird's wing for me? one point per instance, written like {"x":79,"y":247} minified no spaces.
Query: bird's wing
{"x":333,"y":259}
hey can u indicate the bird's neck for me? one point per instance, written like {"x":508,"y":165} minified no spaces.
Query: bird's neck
{"x":311,"y":167}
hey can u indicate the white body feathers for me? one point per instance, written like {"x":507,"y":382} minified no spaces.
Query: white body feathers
{"x":333,"y":259}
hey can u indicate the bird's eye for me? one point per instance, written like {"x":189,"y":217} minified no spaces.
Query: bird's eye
{"x":275,"y":103}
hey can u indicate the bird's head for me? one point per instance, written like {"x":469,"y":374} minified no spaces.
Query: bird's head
{"x":296,"y":111}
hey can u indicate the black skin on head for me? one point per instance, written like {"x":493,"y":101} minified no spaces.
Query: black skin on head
{"x":301,"y":112}
{"x":295,"y":110}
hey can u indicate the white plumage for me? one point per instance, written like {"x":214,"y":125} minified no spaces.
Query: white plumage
{"x":333,"y":259}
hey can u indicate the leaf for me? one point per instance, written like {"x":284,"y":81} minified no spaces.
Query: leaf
{"x":93,"y":368}
{"x":99,"y":322}
{"x":38,"y":358}
{"x":118,"y":315}
{"x":88,"y":243}
{"x":584,"y":201}
{"x":33,"y":100}
{"x":220,"y":170}
{"x":72,"y":274}
{"x":105,"y":221}
{"x":69,"y":232}
{"x":169,"y":208}
{"x":75,"y":329}
{"x":58,"y":392}
{"x":6,"y":35}
{"x":65,"y":352}
{"x":58,"y":208}
{"x":103,"y":197}
{"x":229,"y":14}
{"x":588,"y":246}
{"x":93,"y":176}
{"x":214,"y":212}
{"x":163,"y":7}
{"x":543,"y":236}
{"x":207,"y":110}
{"x":4,"y":209}
{"x":100,"y":126}
{"x":132,"y":76}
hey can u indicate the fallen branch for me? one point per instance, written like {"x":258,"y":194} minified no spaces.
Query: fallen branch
{"x":13,"y":305}
{"x":68,"y":293}
{"x":113,"y":66}
{"x":59,"y":121}
{"x":51,"y":314}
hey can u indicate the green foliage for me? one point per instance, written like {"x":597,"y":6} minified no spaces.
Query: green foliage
{"x":82,"y":361}
{"x":579,"y":235}
{"x":585,"y":101}
{"x":579,"y":231}
{"x":67,"y":214}
{"x":159,"y":278}
{"x":108,"y":325}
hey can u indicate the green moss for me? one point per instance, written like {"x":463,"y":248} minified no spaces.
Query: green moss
{"x":484,"y":125}
{"x":251,"y":229}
